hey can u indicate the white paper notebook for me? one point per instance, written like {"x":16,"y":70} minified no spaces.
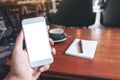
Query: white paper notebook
{"x":88,"y":47}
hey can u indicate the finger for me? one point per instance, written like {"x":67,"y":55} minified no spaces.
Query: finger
{"x":44,"y":68}
{"x":19,"y":40}
{"x":36,"y":72}
{"x":53,"y":51}
{"x":48,"y":27}
{"x":51,"y":41}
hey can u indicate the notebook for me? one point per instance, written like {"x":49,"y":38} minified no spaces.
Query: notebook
{"x":88,"y":46}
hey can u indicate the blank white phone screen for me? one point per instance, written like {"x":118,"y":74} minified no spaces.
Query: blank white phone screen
{"x":37,"y":41}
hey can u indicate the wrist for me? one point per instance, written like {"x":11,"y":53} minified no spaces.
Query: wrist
{"x":11,"y":76}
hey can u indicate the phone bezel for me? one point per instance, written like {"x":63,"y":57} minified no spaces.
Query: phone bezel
{"x":36,"y":20}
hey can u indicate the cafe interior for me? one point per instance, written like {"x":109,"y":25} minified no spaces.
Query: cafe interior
{"x":92,"y":20}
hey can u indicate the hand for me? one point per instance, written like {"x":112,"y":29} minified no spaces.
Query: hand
{"x":20,"y":67}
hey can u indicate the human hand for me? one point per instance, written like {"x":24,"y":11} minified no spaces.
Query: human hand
{"x":20,"y":67}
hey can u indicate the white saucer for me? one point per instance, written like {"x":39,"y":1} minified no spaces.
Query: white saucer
{"x":61,"y":40}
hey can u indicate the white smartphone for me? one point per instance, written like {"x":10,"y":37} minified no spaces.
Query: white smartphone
{"x":37,"y":41}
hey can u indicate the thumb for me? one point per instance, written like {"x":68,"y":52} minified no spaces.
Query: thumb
{"x":19,"y":40}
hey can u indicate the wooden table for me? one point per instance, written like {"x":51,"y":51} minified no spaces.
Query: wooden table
{"x":105,"y":65}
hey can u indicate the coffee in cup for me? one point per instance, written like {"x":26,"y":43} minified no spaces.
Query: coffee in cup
{"x":57,"y":34}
